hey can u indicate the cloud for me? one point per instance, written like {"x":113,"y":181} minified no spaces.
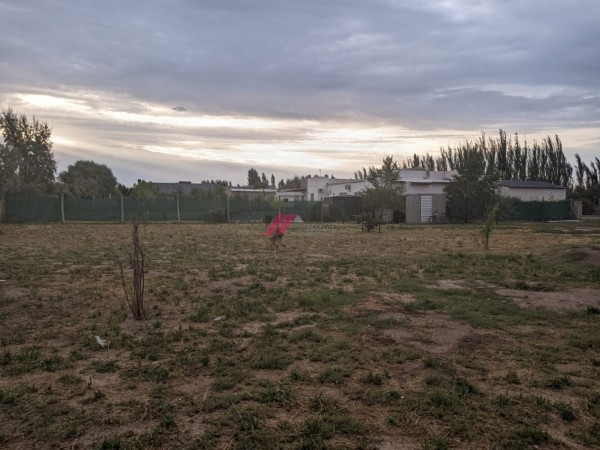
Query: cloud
{"x":254,"y":81}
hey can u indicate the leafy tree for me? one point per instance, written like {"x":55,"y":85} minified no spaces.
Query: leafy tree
{"x":385,"y":191}
{"x":143,"y":189}
{"x":276,"y":204}
{"x":87,"y":179}
{"x":472,"y":190}
{"x":489,"y":225}
{"x":26,"y":159}
{"x":124,"y":190}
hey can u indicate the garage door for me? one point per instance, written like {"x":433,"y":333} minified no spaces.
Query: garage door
{"x":426,"y":208}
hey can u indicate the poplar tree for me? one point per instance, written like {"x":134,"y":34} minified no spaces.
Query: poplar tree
{"x":27,"y":163}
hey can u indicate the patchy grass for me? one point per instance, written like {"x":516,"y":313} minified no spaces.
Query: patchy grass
{"x":349,"y":340}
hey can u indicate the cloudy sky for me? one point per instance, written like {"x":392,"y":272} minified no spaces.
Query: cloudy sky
{"x":205,"y":89}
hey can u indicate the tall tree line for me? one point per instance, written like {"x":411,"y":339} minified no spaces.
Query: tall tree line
{"x":587,"y":188}
{"x":506,"y":157}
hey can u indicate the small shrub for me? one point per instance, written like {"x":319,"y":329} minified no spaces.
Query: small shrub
{"x":167,"y":419}
{"x":52,"y":363}
{"x":377,"y":378}
{"x":430,"y":362}
{"x":150,"y":373}
{"x":96,"y":396}
{"x":434,"y":380}
{"x":591,"y":435}
{"x":271,"y":360}
{"x":438,"y":443}
{"x":441,"y":401}
{"x":464,"y":387}
{"x":504,"y":401}
{"x":566,"y":412}
{"x":5,"y":358}
{"x":276,"y":394}
{"x":106,"y":366}
{"x":70,"y":380}
{"x":512,"y":378}
{"x":297,"y":375}
{"x":593,"y":310}
{"x":29,"y":354}
{"x":112,"y":443}
{"x":334,"y":375}
{"x":324,"y":405}
{"x":559,"y":382}
{"x":532,"y":436}
{"x":7,"y":397}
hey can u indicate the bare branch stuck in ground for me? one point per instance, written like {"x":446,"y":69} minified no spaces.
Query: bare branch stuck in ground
{"x":135,"y":301}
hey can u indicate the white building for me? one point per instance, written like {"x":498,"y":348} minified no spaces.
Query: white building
{"x":346,"y":187}
{"x":316,"y":187}
{"x":419,"y":181}
{"x":424,"y":193}
{"x":291,"y":195}
{"x":529,"y":191}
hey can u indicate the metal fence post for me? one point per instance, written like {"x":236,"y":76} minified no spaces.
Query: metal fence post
{"x":62,"y":206}
{"x":122,"y":210}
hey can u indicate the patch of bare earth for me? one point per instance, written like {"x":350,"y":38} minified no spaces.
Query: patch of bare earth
{"x":571,"y":299}
{"x":432,"y":332}
{"x":447,"y":284}
{"x":281,"y":318}
{"x":381,"y":303}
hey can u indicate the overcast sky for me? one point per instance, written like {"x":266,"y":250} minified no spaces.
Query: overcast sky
{"x":205,"y":89}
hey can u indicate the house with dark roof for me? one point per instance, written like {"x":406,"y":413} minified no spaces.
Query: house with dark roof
{"x":530,"y":191}
{"x":184,"y":188}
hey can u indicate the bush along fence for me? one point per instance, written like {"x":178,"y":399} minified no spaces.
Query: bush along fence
{"x":19,"y":209}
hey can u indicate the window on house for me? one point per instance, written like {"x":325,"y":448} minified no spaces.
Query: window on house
{"x":533,"y":198}
{"x":312,"y":197}
{"x":348,"y":187}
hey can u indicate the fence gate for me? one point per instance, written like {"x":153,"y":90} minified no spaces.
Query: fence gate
{"x":426,"y":208}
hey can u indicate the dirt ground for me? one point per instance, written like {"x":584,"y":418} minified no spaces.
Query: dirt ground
{"x":413,"y":338}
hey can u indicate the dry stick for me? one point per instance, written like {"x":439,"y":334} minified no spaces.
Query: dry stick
{"x":138,"y":273}
{"x":125,"y":289}
{"x":136,"y":302}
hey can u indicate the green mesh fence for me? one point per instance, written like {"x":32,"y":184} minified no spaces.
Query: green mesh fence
{"x":48,"y":209}
{"x":28,"y":209}
{"x":77,"y":209}
{"x":542,"y":210}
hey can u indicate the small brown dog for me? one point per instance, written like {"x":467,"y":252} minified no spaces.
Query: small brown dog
{"x":276,"y":240}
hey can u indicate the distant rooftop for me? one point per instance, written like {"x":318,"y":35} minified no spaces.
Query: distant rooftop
{"x":529,"y":184}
